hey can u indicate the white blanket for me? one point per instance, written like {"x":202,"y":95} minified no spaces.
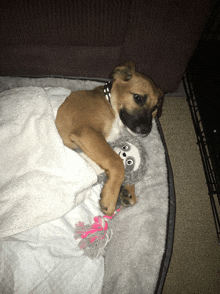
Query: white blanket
{"x":46,"y":259}
{"x":40,"y":178}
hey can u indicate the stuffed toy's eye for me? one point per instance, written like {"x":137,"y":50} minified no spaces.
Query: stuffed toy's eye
{"x":129,"y":162}
{"x":125,"y":148}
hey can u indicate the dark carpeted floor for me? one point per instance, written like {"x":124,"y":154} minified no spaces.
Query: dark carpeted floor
{"x":195,"y":263}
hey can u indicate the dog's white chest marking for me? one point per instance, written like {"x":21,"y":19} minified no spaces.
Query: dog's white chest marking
{"x":116,"y":130}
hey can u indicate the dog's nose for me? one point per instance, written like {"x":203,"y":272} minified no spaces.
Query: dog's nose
{"x":143,"y":130}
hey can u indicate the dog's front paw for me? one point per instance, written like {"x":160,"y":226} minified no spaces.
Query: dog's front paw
{"x":107,"y":202}
{"x":127,"y":196}
{"x":107,"y":208}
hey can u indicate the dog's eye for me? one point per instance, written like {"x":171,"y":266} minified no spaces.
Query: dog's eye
{"x":140,"y":100}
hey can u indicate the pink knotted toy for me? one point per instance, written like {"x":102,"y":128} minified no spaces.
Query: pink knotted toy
{"x":95,"y":237}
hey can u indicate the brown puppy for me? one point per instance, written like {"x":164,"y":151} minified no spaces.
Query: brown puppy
{"x":88,"y":120}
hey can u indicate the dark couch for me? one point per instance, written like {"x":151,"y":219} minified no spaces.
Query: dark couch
{"x":88,"y":38}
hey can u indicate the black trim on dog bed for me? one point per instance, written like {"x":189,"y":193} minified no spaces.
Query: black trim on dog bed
{"x":170,"y":217}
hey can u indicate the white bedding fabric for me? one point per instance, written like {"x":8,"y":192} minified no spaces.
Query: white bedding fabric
{"x":41,"y":179}
{"x":46,"y":258}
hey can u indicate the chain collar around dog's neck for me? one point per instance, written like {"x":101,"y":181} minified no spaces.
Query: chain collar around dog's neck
{"x":107,"y":91}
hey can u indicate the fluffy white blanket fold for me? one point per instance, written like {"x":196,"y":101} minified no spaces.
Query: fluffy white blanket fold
{"x":40,"y":178}
{"x":47,"y":258}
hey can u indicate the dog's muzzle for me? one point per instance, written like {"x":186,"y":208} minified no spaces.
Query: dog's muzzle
{"x":139,"y":123}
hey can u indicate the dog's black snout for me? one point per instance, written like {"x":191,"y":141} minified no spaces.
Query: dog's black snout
{"x":138,"y":122}
{"x":143,"y":130}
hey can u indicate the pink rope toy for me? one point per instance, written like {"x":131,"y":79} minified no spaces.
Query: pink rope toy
{"x":95,"y":237}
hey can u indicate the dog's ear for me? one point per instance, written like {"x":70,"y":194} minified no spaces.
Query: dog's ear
{"x":160,"y":103}
{"x":124,"y":71}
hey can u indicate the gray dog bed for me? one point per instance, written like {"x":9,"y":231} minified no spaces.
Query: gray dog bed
{"x":137,"y":256}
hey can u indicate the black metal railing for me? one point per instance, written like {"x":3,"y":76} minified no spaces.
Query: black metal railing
{"x":205,"y":151}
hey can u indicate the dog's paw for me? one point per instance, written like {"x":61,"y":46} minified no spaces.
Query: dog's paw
{"x":106,"y":208}
{"x":127,"y":197}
